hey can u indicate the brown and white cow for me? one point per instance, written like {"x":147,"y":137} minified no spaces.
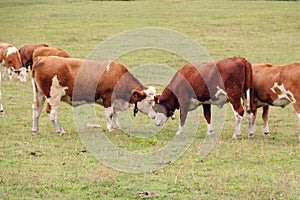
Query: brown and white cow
{"x":72,"y":80}
{"x":49,"y":51}
{"x":26,"y":54}
{"x":276,"y":86}
{"x":10,"y":60}
{"x":205,"y":84}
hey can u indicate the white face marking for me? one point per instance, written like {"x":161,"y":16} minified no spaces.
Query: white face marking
{"x":284,"y":97}
{"x":23,"y":74}
{"x":145,"y":106}
{"x":11,"y":50}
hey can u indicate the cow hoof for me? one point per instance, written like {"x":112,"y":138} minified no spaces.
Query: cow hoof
{"x":235,"y":137}
{"x":35,"y":133}
{"x":61,"y":133}
{"x":210,"y":132}
{"x":251,"y":135}
{"x":111,"y":129}
{"x":2,"y":112}
{"x":178,"y":132}
{"x":267,"y":133}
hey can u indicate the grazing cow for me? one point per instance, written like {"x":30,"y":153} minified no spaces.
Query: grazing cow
{"x":10,"y":59}
{"x":26,"y":54}
{"x":75,"y":80}
{"x":49,"y":51}
{"x":205,"y":84}
{"x":276,"y":86}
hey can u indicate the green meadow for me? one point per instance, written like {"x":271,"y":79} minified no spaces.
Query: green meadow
{"x":50,"y":166}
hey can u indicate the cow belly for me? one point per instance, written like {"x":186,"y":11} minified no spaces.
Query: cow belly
{"x":120,"y":105}
{"x":281,"y":101}
{"x":219,"y":100}
{"x":284,"y":96}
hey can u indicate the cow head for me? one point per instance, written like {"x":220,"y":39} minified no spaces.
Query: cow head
{"x":143,"y":99}
{"x":13,"y":60}
{"x":161,"y":111}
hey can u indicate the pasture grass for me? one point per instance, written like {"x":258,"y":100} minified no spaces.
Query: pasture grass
{"x":50,"y":166}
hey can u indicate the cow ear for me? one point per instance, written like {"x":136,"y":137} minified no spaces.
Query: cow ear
{"x":137,"y":95}
{"x":157,"y":99}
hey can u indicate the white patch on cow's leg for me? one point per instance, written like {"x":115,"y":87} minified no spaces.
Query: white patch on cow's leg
{"x":266,"y":130}
{"x":251,"y":125}
{"x":3,"y":69}
{"x":109,"y":114}
{"x":1,"y":106}
{"x":116,"y":123}
{"x":54,"y":118}
{"x":56,"y":92}
{"x":36,"y":112}
{"x":238,"y":124}
{"x":210,"y":129}
{"x":248,"y":100}
{"x":180,"y":130}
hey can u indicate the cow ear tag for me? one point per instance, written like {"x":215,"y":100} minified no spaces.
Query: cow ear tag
{"x":158,"y":101}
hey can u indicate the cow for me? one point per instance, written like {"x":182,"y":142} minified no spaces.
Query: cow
{"x":73,"y":80}
{"x":10,"y":60}
{"x":49,"y":51}
{"x":26,"y":54}
{"x":206,"y":84}
{"x":276,"y":86}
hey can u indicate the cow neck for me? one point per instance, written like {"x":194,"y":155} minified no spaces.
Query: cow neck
{"x":169,"y":100}
{"x":127,"y":84}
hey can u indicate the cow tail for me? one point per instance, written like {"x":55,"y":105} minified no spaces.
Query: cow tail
{"x":35,"y":66}
{"x":248,"y":89}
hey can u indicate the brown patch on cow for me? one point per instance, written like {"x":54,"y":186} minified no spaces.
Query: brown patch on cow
{"x":26,"y":53}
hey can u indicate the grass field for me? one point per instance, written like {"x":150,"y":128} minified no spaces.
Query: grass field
{"x":50,"y":166}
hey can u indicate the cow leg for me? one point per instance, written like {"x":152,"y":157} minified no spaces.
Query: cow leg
{"x":52,"y":109}
{"x":37,"y":107}
{"x":115,"y":118}
{"x":251,"y":125}
{"x":238,"y":114}
{"x":207,"y":115}
{"x":1,"y":106}
{"x":3,"y":69}
{"x":265,"y":117}
{"x":183,"y":115}
{"x":297,"y":109}
{"x":109,"y":115}
{"x":10,"y":73}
